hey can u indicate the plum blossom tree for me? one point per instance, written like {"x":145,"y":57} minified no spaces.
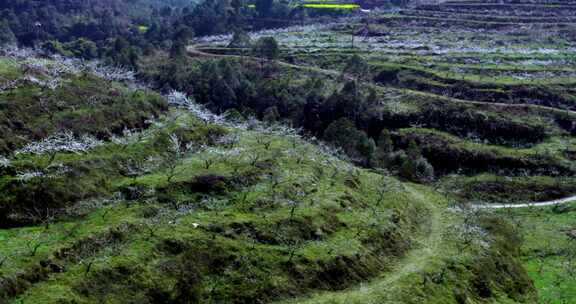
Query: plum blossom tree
{"x":64,"y":141}
{"x":174,"y":156}
{"x":4,"y":162}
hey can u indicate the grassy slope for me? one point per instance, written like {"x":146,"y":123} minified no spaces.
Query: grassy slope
{"x":438,"y":270}
{"x":541,"y":229}
{"x":548,"y":253}
{"x":428,"y":247}
{"x":140,"y":246}
{"x":254,"y":236}
{"x":249,"y":216}
{"x":354,"y":237}
{"x":82,"y":103}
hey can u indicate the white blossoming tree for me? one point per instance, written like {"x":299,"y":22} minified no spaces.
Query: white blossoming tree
{"x":4,"y":162}
{"x":60,"y":142}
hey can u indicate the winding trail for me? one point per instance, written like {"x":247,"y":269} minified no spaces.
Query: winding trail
{"x":562,"y":201}
{"x":380,"y":289}
{"x":487,"y":103}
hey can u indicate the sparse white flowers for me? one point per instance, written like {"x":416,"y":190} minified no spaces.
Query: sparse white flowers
{"x":224,"y":152}
{"x":18,"y":53}
{"x":58,"y":169}
{"x":4,"y":162}
{"x":110,"y":73}
{"x":28,"y":175}
{"x":175,"y":144}
{"x":61,"y":142}
{"x":180,"y":100}
{"x":49,"y":72}
{"x":184,"y":209}
{"x":52,"y":171}
{"x":129,"y":137}
{"x":229,"y":140}
{"x":49,"y":83}
{"x":125,"y":139}
{"x":302,"y":30}
{"x":471,"y":234}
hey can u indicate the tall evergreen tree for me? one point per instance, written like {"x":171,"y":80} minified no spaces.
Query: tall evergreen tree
{"x":385,"y":142}
{"x":414,"y":152}
{"x":383,"y":153}
{"x":267,"y":47}
{"x":178,"y":49}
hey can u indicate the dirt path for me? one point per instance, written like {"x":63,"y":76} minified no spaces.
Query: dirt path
{"x":413,"y":263}
{"x":495,"y":104}
{"x":529,"y":205}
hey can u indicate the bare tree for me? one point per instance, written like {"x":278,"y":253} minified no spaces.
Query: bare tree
{"x":265,"y":141}
{"x":254,"y":159}
{"x":173,"y":157}
{"x":3,"y":260}
{"x":5,"y":162}
{"x":129,"y":137}
{"x":33,"y":245}
{"x":382,"y":190}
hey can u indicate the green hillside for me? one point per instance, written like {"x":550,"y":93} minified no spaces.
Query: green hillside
{"x":287,"y":152}
{"x":188,"y":208}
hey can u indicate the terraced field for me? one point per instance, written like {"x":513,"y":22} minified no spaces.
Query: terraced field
{"x":486,"y":88}
{"x":446,"y":46}
{"x":511,"y":86}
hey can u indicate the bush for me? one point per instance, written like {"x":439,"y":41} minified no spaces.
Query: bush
{"x":203,"y":184}
{"x":133,"y":192}
{"x":560,"y":209}
{"x":35,"y":199}
{"x":208,"y":183}
{"x":267,"y":47}
{"x":417,"y":170}
{"x":343,"y":133}
{"x":424,"y":170}
{"x":39,"y":199}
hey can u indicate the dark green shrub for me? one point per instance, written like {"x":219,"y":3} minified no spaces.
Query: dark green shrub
{"x":44,"y":197}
